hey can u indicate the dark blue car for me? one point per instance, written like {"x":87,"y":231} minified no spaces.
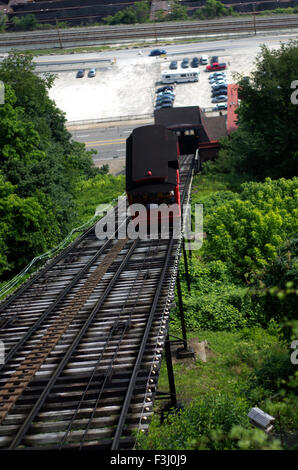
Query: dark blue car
{"x":157,"y":52}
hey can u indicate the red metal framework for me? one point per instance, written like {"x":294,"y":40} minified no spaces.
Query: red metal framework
{"x":232,"y":106}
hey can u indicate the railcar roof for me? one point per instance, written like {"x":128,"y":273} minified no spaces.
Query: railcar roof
{"x":151,"y":154}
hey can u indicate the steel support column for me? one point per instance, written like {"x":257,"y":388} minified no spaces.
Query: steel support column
{"x":186,"y":266}
{"x":170,"y":372}
{"x":185,"y":351}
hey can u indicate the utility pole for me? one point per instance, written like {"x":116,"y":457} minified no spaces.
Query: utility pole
{"x":155,"y":31}
{"x":58,"y":30}
{"x":254,"y":19}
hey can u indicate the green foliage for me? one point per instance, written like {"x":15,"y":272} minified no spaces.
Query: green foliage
{"x":213,"y":9}
{"x":3,"y":20}
{"x":266,"y":142}
{"x":27,"y":227}
{"x":275,"y":368}
{"x":217,"y":301}
{"x":101,"y":189}
{"x":247,"y":232}
{"x":204,"y":424}
{"x":276,"y":287}
{"x":41,"y":162}
{"x":138,"y":13}
{"x":253,"y":439}
{"x":178,"y":12}
{"x":280,"y":11}
{"x":25,"y":23}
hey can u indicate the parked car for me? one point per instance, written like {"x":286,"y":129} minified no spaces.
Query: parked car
{"x":216,"y":82}
{"x":219,"y":92}
{"x":195,"y":62}
{"x":167,"y":93}
{"x":164,"y":88}
{"x":164,"y":100}
{"x":220,"y":81}
{"x":216,"y":66}
{"x":220,"y":107}
{"x":215,"y":79}
{"x":204,"y":60}
{"x":185,"y":63}
{"x":216,"y":74}
{"x":173,"y":65}
{"x":155,"y":52}
{"x":80,"y":73}
{"x":214,"y":59}
{"x":166,"y":104}
{"x":218,"y":99}
{"x":92,"y":73}
{"x":216,"y":86}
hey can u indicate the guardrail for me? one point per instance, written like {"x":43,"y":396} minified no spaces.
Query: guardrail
{"x":109,"y":119}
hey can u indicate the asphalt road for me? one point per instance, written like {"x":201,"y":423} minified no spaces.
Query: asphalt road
{"x":216,"y":46}
{"x":109,"y":142}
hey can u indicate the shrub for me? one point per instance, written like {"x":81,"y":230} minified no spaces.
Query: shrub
{"x":216,"y":301}
{"x":204,"y":424}
{"x":246,"y":232}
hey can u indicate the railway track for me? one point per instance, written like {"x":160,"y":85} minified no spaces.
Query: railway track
{"x":84,"y":340}
{"x":108,"y":34}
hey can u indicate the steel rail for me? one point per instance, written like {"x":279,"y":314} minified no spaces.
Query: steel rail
{"x":122,"y":336}
{"x":71,"y":382}
{"x":127,"y":400}
{"x":109,"y":33}
{"x":11,"y":353}
{"x":149,"y":26}
{"x":23,"y":429}
{"x":114,"y":327}
{"x":12,"y":297}
{"x":129,"y":393}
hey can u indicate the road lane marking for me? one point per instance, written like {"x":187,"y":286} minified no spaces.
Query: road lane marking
{"x":106,"y":142}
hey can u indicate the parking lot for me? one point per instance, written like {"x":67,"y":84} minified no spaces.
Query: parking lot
{"x":127,"y":87}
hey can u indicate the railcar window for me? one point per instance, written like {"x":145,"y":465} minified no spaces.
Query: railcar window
{"x":147,"y":199}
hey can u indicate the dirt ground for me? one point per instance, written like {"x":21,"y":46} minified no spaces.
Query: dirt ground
{"x":116,"y":167}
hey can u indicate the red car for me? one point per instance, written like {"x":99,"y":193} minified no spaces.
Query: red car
{"x":215,"y":66}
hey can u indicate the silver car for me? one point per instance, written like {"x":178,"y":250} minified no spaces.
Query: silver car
{"x":92,"y":73}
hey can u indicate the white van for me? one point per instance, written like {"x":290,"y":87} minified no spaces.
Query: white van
{"x":176,"y":76}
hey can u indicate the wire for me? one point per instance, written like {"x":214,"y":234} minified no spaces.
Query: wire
{"x":53,"y":251}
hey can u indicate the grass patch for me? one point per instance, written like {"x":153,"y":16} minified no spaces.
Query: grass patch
{"x":235,"y":356}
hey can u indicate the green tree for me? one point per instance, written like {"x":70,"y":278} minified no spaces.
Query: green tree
{"x":142,"y":11}
{"x":247,"y":232}
{"x":138,"y":13}
{"x":25,"y":23}
{"x":178,"y":12}
{"x":213,"y":9}
{"x":126,"y":16}
{"x":266,"y":142}
{"x":38,"y":158}
{"x":3,"y":20}
{"x":276,"y":286}
{"x":27,"y":228}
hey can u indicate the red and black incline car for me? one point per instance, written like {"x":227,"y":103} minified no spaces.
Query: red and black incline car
{"x":152,"y":167}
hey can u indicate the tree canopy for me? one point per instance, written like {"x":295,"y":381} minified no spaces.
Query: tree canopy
{"x":266,"y":142}
{"x":40,"y":165}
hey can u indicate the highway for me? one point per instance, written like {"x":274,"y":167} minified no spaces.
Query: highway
{"x":109,"y":142}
